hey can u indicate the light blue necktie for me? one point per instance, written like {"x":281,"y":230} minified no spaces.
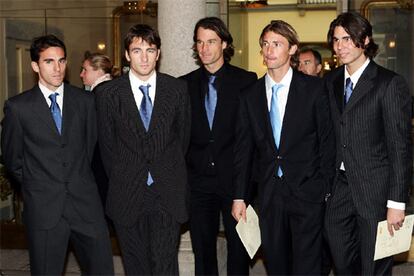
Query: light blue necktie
{"x":348,"y":90}
{"x":211,"y":100}
{"x":275,"y":119}
{"x":54,"y":108}
{"x":145,"y":111}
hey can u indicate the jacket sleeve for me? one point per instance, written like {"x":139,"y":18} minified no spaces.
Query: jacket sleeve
{"x":396,"y":113}
{"x":12,"y":141}
{"x":184,"y":117}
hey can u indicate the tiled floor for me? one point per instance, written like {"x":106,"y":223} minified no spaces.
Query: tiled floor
{"x":16,"y":262}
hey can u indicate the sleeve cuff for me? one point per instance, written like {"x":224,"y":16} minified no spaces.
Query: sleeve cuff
{"x":395,"y":205}
{"x":238,"y":200}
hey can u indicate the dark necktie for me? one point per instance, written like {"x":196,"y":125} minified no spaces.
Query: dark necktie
{"x":145,"y":111}
{"x":55,"y":110}
{"x":211,"y":100}
{"x":275,"y":119}
{"x":348,"y":90}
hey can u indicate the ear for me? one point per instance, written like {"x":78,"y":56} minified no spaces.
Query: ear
{"x":127,"y":56}
{"x":293,"y":49}
{"x":35,"y":66}
{"x":224,"y":45}
{"x":318,"y":68}
{"x":366,"y":42}
{"x":158,"y":54}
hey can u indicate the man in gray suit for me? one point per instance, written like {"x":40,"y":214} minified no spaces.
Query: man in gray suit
{"x":48,"y":138}
{"x":371,"y":110}
{"x":144,"y":127}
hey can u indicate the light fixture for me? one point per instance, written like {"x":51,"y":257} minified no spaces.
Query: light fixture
{"x":391,"y":43}
{"x":101,"y":46}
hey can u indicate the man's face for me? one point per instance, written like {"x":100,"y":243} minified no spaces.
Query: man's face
{"x":276,"y":51}
{"x":90,"y":75}
{"x":210,"y":48}
{"x":51,"y":67}
{"x":143,"y":58}
{"x":346,"y":50}
{"x":308,"y":64}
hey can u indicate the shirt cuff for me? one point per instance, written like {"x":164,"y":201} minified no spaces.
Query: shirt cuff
{"x":238,"y":200}
{"x":395,"y":205}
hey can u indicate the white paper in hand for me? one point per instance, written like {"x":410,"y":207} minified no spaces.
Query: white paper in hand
{"x":249,"y":232}
{"x":386,"y":245}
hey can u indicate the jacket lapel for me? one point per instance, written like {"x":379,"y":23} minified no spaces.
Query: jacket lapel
{"x":41,"y":109}
{"x":264,"y":118}
{"x":363,"y":86}
{"x":69,"y":110}
{"x":338,"y":87}
{"x":294,"y":103}
{"x":129,"y":107}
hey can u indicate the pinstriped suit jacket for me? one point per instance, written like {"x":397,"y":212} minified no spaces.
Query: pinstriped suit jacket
{"x":128,"y":151}
{"x":373,"y":137}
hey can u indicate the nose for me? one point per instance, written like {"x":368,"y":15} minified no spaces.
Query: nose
{"x":300,"y":68}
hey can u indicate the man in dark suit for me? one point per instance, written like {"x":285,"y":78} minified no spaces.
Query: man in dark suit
{"x":371,"y":110}
{"x":144,"y":128}
{"x":284,"y":125}
{"x":210,"y":155}
{"x":48,"y":138}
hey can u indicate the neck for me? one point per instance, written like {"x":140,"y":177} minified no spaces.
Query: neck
{"x":214,"y":67}
{"x":354,"y":66}
{"x":277,"y":74}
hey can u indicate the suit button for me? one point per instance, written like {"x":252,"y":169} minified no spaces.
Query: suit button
{"x":341,"y":123}
{"x":211,"y":141}
{"x":212,"y":164}
{"x":279,"y":157}
{"x":344,"y":146}
{"x":63,"y":145}
{"x":64,"y":164}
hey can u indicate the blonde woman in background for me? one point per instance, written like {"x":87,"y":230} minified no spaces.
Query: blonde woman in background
{"x":96,"y":68}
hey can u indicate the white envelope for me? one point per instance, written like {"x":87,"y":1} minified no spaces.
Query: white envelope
{"x":249,"y":232}
{"x":387,"y":245}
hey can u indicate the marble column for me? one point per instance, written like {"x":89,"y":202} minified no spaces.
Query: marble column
{"x":176,"y":20}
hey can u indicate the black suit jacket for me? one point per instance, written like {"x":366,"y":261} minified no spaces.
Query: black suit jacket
{"x":373,"y":137}
{"x":211,"y":151}
{"x":48,"y":165}
{"x":307,"y":144}
{"x":129,"y":152}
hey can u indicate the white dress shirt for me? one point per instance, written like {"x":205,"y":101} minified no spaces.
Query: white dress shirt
{"x":136,"y":83}
{"x":47,"y":92}
{"x":282,"y":94}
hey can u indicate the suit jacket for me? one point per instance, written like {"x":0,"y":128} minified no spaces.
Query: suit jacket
{"x":129,"y":152}
{"x":51,"y":166}
{"x":211,"y":151}
{"x":373,"y":137}
{"x":307,"y":143}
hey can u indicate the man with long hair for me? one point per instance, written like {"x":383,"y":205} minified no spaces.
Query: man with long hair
{"x":371,"y":111}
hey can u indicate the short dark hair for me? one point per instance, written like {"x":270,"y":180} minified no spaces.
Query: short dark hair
{"x":41,"y":43}
{"x":145,"y":32}
{"x":216,"y":25}
{"x":287,"y":31}
{"x":358,"y":28}
{"x":316,"y":54}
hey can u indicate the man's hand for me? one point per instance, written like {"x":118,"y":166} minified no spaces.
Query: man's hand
{"x":238,"y":210}
{"x":395,"y":219}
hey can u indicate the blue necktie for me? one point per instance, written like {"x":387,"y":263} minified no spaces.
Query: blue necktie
{"x":211,"y":100}
{"x":348,"y":90}
{"x":145,"y":111}
{"x":54,"y":108}
{"x":275,"y":119}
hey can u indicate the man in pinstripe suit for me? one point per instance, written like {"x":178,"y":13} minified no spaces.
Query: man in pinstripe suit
{"x":371,"y":110}
{"x":144,"y":129}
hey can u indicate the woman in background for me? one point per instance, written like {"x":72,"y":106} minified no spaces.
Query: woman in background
{"x":96,"y":68}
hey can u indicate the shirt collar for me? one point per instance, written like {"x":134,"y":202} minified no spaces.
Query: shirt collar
{"x":47,"y":92}
{"x":286,"y":80}
{"x":136,"y":82}
{"x":357,"y":74}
